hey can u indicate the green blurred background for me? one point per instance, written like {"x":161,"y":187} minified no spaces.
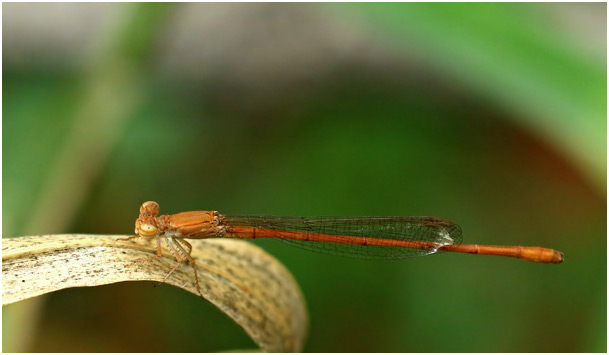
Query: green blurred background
{"x":490,"y":115}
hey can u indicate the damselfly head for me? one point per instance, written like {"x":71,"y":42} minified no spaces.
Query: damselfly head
{"x":145,"y":225}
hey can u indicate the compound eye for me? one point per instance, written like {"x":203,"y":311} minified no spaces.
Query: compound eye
{"x":149,"y":209}
{"x":147,"y":230}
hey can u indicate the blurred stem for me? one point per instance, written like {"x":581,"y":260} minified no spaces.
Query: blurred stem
{"x":111,"y":93}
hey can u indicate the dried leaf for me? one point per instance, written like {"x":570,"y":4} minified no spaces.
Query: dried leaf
{"x":242,"y":280}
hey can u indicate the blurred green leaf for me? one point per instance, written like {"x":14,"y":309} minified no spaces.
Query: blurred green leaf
{"x":517,"y":56}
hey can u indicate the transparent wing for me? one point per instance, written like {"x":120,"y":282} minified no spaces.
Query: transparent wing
{"x":418,"y":229}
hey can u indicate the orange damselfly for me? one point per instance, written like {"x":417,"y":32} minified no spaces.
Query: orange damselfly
{"x":360,"y":237}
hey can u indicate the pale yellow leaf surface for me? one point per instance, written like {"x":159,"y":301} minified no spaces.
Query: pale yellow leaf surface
{"x":242,"y":280}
